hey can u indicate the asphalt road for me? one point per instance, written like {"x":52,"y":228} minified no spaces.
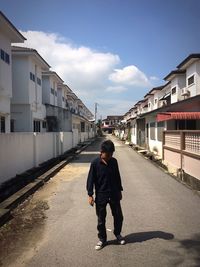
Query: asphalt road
{"x":161,"y":220}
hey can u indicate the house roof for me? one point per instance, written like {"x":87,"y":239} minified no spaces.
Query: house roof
{"x":52,"y":73}
{"x":11,"y":31}
{"x":173,"y":73}
{"x":148,"y":94}
{"x":18,"y":50}
{"x":188,"y":60}
{"x":165,"y":116}
{"x":156,"y":89}
{"x":178,"y":106}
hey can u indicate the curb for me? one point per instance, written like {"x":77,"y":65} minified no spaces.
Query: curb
{"x":14,"y":200}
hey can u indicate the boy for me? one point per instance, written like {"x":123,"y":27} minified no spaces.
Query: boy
{"x":104,"y":176}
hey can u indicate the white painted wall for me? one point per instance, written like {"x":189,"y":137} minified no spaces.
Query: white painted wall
{"x":150,"y":103}
{"x":22,"y":116}
{"x":16,"y":154}
{"x":174,"y":83}
{"x":75,"y":137}
{"x":26,"y":93}
{"x":192,"y":69}
{"x":5,"y":69}
{"x":22,"y":151}
{"x":44,"y":147}
{"x":5,"y":82}
{"x":20,"y":80}
{"x":67,"y":140}
{"x":46,"y":90}
{"x":134,"y":133}
{"x":154,"y":145}
{"x":198,"y":77}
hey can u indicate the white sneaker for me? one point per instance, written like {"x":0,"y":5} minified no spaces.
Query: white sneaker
{"x":99,"y":245}
{"x":121,"y":240}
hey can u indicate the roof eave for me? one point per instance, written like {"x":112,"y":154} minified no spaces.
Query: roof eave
{"x":16,"y":36}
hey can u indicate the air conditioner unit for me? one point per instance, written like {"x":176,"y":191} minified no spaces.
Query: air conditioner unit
{"x":185,"y":92}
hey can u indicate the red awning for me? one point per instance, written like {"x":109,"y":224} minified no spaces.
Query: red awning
{"x":178,"y":116}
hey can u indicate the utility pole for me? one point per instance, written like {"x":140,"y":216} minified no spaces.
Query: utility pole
{"x":95,"y":118}
{"x":95,"y":113}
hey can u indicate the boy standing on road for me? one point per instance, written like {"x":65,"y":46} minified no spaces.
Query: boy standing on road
{"x":104,"y":176}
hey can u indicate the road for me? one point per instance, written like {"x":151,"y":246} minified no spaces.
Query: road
{"x":161,"y":219}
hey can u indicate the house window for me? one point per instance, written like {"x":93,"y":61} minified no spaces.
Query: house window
{"x":12,"y":125}
{"x":52,"y":91}
{"x":55,"y":93}
{"x":3,"y":124}
{"x":152,"y":131}
{"x":32,"y":77}
{"x":156,"y":101}
{"x":173,"y":90}
{"x":191,"y":80}
{"x":82,"y":127}
{"x":36,"y":126}
{"x":186,"y":125}
{"x":5,"y":57}
{"x":2,"y":55}
{"x":44,"y":124}
{"x":38,"y":81}
{"x":63,"y":99}
{"x":149,"y":105}
{"x":160,"y":129}
{"x":147,"y":130}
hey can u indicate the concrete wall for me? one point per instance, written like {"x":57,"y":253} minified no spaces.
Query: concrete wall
{"x":191,"y":166}
{"x":75,"y":137}
{"x":22,"y":151}
{"x":16,"y":154}
{"x":44,"y":147}
{"x":172,"y":160}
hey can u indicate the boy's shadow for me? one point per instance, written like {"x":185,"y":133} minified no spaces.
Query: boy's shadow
{"x":144,"y":236}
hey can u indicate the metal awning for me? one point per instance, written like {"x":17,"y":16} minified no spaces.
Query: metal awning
{"x":165,"y":116}
{"x":165,"y":96}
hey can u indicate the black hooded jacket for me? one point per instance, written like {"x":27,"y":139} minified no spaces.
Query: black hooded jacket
{"x":105,"y":179}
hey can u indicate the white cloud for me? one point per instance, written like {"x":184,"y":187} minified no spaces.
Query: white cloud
{"x":153,"y":78}
{"x":80,"y":67}
{"x":113,"y":106}
{"x":130,"y":75}
{"x":91,"y":74}
{"x":116,"y":89}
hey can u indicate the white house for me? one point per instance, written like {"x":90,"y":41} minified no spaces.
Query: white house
{"x":191,"y":67}
{"x":28,"y":112}
{"x":63,"y":91}
{"x":50,"y":84}
{"x":8,"y":34}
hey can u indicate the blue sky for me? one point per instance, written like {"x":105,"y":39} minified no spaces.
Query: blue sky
{"x":109,"y":51}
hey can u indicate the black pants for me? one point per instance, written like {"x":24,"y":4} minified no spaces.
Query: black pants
{"x":101,"y":215}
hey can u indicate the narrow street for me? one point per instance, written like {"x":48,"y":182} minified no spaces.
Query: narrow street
{"x":161,"y":219}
